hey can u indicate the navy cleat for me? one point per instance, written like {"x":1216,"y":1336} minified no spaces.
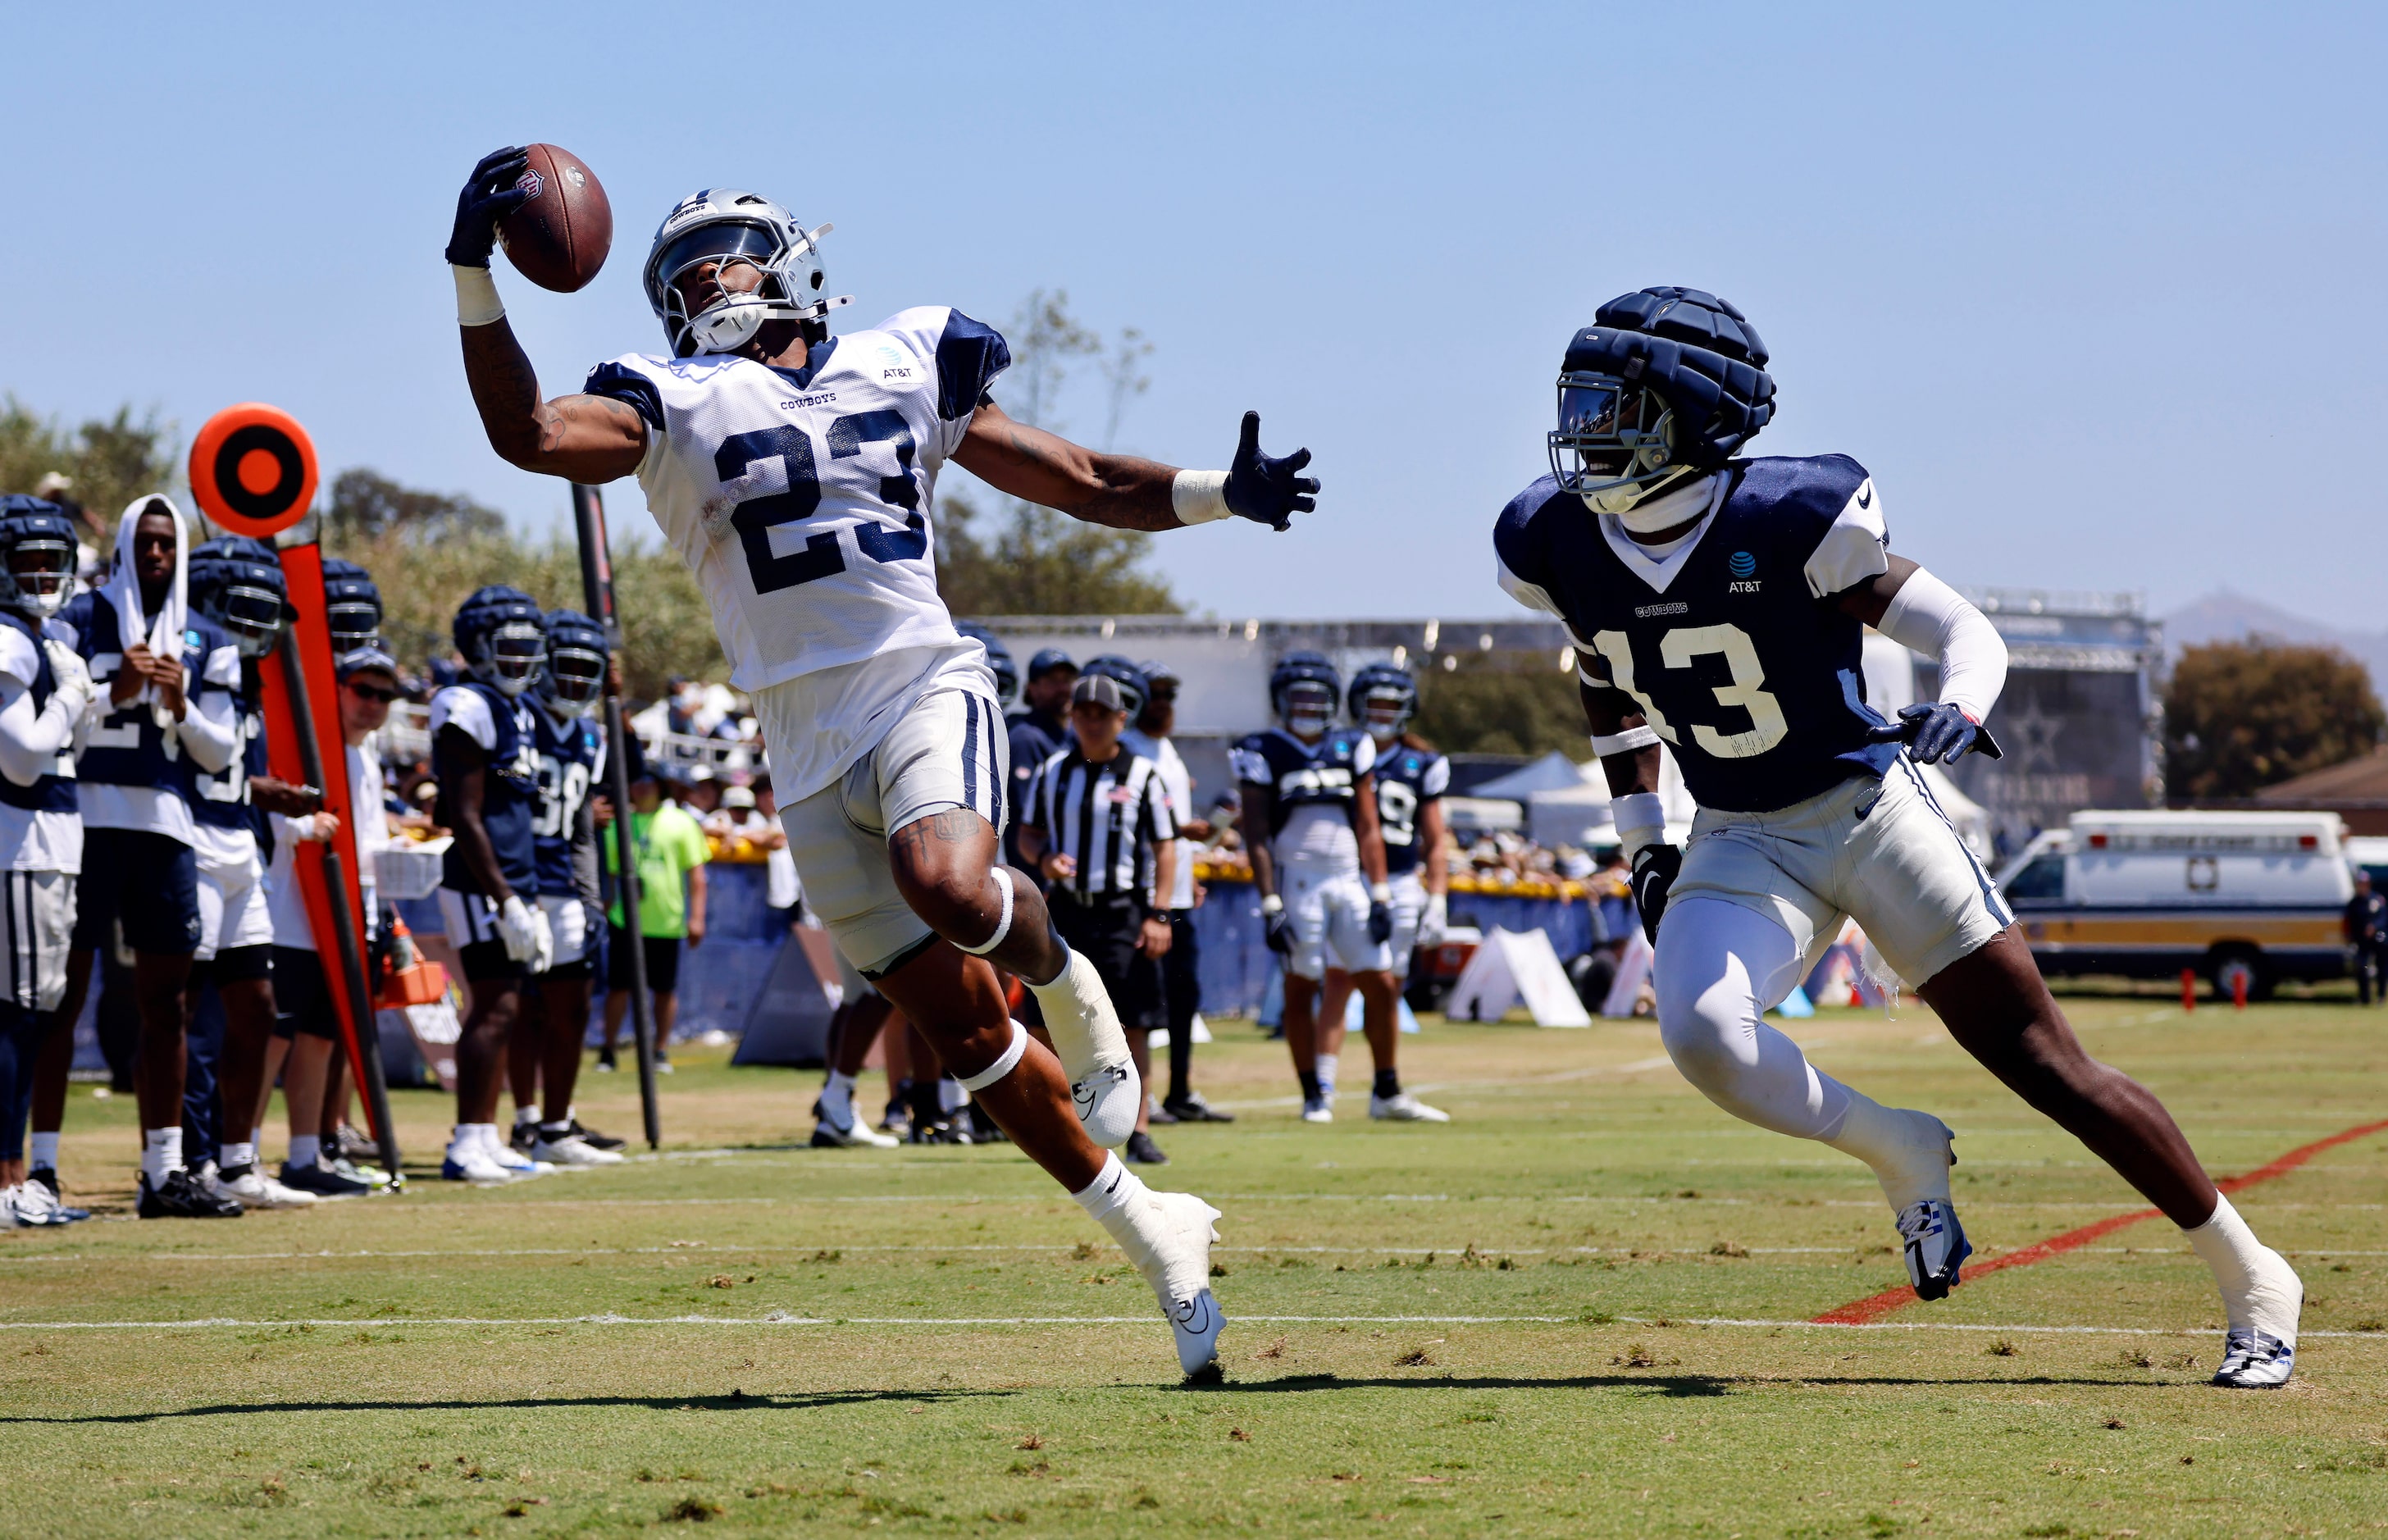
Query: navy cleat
{"x":2255,"y":1360}
{"x":1937,"y":1246}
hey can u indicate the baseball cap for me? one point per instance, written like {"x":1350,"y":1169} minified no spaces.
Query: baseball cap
{"x":1157,"y":672}
{"x":1046,"y":660}
{"x":1101,"y":689}
{"x":358,"y":660}
{"x":738,"y":797}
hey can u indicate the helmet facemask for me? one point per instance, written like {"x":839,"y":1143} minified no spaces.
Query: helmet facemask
{"x":354,"y":623}
{"x":251,"y":612}
{"x":1308,"y":707}
{"x":1384,"y":713}
{"x":785,"y":285}
{"x":1615,"y":444}
{"x":40,"y":575}
{"x":574,"y":681}
{"x":511,"y":656}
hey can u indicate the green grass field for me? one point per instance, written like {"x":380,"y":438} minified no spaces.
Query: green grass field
{"x":1573,"y":1311}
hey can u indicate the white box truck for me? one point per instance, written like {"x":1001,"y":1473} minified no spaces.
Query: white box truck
{"x":2257,"y":895}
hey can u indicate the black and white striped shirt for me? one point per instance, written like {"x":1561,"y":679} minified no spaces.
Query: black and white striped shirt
{"x":1107,"y":818}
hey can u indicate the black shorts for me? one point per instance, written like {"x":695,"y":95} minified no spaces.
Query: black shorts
{"x":1108,"y":933}
{"x":148,"y":881}
{"x":663,"y":960}
{"x":235,"y":964}
{"x":302,"y":1002}
{"x":489,"y":963}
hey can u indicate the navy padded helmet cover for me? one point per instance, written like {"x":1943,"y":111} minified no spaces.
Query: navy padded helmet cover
{"x":1693,"y":348}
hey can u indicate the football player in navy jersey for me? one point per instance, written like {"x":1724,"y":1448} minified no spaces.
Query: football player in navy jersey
{"x":1717,"y":606}
{"x":485,"y":757}
{"x":795,"y":474}
{"x":1309,"y":820}
{"x":237,"y":583}
{"x":170,"y":677}
{"x":546,"y":1044}
{"x":43,"y":691}
{"x":1410,"y":780}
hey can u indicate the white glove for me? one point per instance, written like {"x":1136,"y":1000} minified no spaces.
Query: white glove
{"x":522,"y":927}
{"x":72,"y":673}
{"x":1435,"y":924}
{"x":544,"y":957}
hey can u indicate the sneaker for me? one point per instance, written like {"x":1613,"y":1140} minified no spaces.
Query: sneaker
{"x":1402,"y":1107}
{"x":1936,"y":1247}
{"x":1318,"y":1109}
{"x":514,"y":1160}
{"x":1157,"y":1110}
{"x":2255,"y":1360}
{"x":470,"y":1161}
{"x":941,"y":1133}
{"x":350,"y":1144}
{"x":49,"y":1178}
{"x":526,"y":1133}
{"x":251,"y":1188}
{"x":1191,"y":1108}
{"x":373,"y":1176}
{"x":1139,"y":1149}
{"x":570,"y":1149}
{"x":856,"y":1136}
{"x":178,"y":1197}
{"x":1106,"y":1102}
{"x":663,"y":1065}
{"x":323,"y":1181}
{"x":595,"y":1139}
{"x":31,"y":1207}
{"x":605,"y":1064}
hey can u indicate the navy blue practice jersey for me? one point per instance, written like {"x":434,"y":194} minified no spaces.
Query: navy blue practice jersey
{"x":1407,"y":779}
{"x":221,"y":799}
{"x":126,"y":746}
{"x":502,"y":725}
{"x":21,"y":645}
{"x":1327,"y":771}
{"x":1730,"y":644}
{"x":570,"y":753}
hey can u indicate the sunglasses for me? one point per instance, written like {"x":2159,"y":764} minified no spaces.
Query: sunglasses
{"x":371,"y":692}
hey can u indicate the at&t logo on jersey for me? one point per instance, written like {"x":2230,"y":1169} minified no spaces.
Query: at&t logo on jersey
{"x":1742,"y":565}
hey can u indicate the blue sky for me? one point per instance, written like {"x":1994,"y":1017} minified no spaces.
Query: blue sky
{"x":2095,"y":291}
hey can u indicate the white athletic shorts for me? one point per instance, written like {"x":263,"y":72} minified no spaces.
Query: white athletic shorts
{"x":1880,"y":852}
{"x":1331,"y":922}
{"x":945,"y":750}
{"x":567,"y":920}
{"x":234,"y":907}
{"x":37,"y":909}
{"x":1409,"y":912}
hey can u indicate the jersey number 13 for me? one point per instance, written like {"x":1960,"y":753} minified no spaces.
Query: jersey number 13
{"x":1676,"y":650}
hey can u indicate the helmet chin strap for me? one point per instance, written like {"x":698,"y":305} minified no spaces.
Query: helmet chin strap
{"x":1644,"y":507}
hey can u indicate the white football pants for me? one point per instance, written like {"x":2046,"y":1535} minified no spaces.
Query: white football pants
{"x":1720,"y":967}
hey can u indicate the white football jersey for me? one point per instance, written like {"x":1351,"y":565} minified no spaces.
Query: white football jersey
{"x":801,"y":499}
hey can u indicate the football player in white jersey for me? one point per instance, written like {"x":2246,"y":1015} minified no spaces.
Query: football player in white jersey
{"x":794,"y":473}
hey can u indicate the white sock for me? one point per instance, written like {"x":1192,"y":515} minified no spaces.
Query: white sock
{"x":491,"y":1142}
{"x":2260,"y":1291}
{"x":951,"y":1098}
{"x":1325,"y":1068}
{"x":162,"y":1153}
{"x":46,"y":1151}
{"x":257,"y":1135}
{"x":305,"y":1150}
{"x":463,"y":1138}
{"x":1908,"y":1150}
{"x":1079,"y":1017}
{"x":233,"y":1156}
{"x":527,"y":1114}
{"x":1134,"y":1216}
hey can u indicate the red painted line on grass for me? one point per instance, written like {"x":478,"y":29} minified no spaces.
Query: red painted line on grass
{"x":1874,"y":1307}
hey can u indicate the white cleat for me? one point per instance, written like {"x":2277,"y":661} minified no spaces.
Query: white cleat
{"x":471,"y":1162}
{"x":516,"y":1164}
{"x":1318,"y":1109}
{"x":1179,"y":1271}
{"x":571,"y":1150}
{"x":1402,"y":1107}
{"x":856,"y":1136}
{"x":1196,"y":1323}
{"x":1107,"y":1101}
{"x":2260,"y":1350}
{"x":254,"y":1188}
{"x":32,"y":1206}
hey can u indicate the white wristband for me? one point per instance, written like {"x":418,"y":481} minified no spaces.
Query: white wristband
{"x":1380,"y":893}
{"x":1272,"y":904}
{"x":1625,"y":741}
{"x":1198,"y":497}
{"x":1641,"y":820}
{"x":477,"y":297}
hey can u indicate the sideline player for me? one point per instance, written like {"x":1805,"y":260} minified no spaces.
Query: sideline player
{"x":170,"y":677}
{"x":1174,"y":980}
{"x":44,"y":689}
{"x":1718,"y":605}
{"x":237,"y":583}
{"x":484,"y":756}
{"x":1410,"y":780}
{"x":1309,"y":820}
{"x":795,"y":472}
{"x":544,"y":1053}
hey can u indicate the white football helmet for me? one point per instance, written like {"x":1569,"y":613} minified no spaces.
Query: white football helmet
{"x":725,"y":225}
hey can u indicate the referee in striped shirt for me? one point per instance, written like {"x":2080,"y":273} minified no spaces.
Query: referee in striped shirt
{"x":1096,"y":823}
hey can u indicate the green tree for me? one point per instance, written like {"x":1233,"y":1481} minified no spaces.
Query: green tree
{"x":1022,"y":559}
{"x":2241,"y":716}
{"x":366,"y":505}
{"x":1501,"y":703}
{"x":108,"y":462}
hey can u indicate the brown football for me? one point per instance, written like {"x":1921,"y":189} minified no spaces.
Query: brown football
{"x":559,"y":235}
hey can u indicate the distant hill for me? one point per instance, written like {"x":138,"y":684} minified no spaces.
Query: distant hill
{"x":2227,"y":617}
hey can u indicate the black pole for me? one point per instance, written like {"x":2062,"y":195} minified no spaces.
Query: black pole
{"x":344,"y":927}
{"x":597,"y":584}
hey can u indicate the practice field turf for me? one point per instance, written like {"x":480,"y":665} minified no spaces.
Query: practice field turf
{"x":1578,"y":1309}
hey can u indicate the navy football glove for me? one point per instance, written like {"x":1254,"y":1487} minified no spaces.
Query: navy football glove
{"x":1381,"y":921}
{"x":489,"y":196}
{"x":1278,"y":931}
{"x":1268,"y":491}
{"x":1936,"y":733}
{"x":1655,"y":869}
